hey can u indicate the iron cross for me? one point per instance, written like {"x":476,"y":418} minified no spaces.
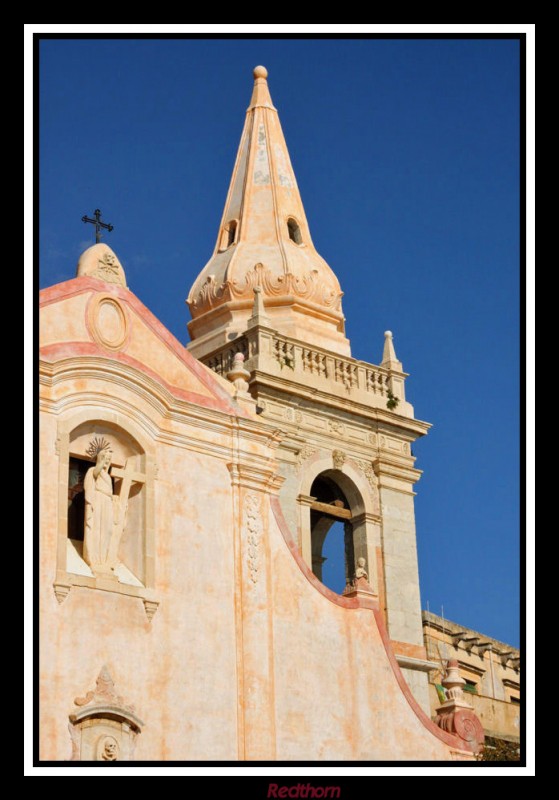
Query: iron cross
{"x":98,"y":224}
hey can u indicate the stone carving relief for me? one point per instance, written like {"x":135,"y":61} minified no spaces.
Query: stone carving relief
{"x":338,"y":459}
{"x":108,"y":269}
{"x":99,"y":261}
{"x":312,"y":286}
{"x":104,"y":728}
{"x":366,"y":468}
{"x":104,"y":693}
{"x":108,"y":749}
{"x":304,"y":453}
{"x":253,"y":534}
{"x":335,"y":426}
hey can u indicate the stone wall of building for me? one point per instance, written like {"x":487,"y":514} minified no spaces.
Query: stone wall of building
{"x":228,"y":647}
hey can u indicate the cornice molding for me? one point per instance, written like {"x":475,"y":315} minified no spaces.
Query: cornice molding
{"x":409,"y":427}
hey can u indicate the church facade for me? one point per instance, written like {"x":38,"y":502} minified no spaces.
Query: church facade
{"x":187,"y":494}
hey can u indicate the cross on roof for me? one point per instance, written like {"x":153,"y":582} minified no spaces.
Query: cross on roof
{"x":98,"y":224}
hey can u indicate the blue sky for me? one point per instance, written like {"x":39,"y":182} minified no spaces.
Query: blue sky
{"x":406,"y":155}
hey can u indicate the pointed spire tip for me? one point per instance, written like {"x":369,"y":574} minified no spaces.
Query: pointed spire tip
{"x":389,"y":358}
{"x":260,"y":72}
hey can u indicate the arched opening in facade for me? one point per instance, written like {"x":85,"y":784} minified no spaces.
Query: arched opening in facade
{"x":332,"y":534}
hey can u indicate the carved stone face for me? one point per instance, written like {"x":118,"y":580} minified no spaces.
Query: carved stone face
{"x":104,"y":459}
{"x":361,"y":562}
{"x":109,"y":751}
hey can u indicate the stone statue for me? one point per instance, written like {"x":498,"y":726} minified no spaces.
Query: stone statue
{"x":109,"y":749}
{"x":361,"y":572}
{"x":99,"y":507}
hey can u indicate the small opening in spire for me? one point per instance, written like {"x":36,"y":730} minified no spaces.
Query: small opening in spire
{"x":228,"y":235}
{"x":294,"y":231}
{"x":232,"y":233}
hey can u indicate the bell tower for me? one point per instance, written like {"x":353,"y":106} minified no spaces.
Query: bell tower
{"x":266,"y":313}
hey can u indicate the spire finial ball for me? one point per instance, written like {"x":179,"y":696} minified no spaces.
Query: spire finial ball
{"x":388,"y":333}
{"x":260,"y":72}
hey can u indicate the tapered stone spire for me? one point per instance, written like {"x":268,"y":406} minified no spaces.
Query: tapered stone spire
{"x":389,"y":359}
{"x":264,"y":240}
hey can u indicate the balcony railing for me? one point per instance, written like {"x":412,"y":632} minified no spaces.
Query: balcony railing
{"x":314,"y":367}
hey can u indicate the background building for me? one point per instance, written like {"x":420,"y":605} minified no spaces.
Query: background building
{"x":490,"y":668}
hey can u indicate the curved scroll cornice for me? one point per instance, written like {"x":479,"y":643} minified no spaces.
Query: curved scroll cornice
{"x":311,"y":287}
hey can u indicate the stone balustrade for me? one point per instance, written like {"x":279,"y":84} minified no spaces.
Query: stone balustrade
{"x":317,"y":369}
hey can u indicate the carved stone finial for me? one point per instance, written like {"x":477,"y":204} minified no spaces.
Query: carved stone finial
{"x":456,"y":715}
{"x":238,"y":375}
{"x":453,"y":682}
{"x":389,"y":359}
{"x":259,"y":316}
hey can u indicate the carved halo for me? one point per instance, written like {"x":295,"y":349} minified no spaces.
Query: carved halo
{"x":97,"y":445}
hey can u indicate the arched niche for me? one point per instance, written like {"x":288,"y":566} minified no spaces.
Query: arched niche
{"x":132,"y":473}
{"x":127,"y":455}
{"x":103,"y":727}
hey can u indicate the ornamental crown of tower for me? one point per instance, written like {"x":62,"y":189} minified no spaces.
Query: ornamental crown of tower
{"x":264,"y":241}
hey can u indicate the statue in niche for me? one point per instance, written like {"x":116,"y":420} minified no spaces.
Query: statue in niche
{"x":106,"y":512}
{"x":361,"y":572}
{"x":108,"y":749}
{"x":101,"y":507}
